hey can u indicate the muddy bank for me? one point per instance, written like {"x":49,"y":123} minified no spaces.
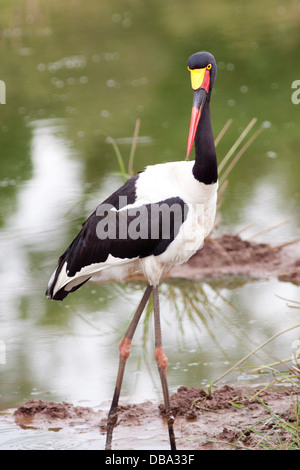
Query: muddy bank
{"x":229,"y":255}
{"x":218,"y":421}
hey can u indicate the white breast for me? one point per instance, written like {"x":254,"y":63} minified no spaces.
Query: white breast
{"x":165,"y":180}
{"x":176,"y":179}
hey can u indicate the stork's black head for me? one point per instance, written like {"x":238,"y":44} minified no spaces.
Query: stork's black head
{"x":203,"y":61}
{"x":203,"y":69}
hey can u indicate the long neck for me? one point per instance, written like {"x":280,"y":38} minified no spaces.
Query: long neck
{"x":205,"y":168}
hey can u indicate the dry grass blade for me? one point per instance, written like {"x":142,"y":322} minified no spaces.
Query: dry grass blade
{"x":223,"y":131}
{"x":223,"y":179}
{"x":282,"y":245}
{"x":254,"y":351}
{"x":222,"y":189}
{"x":289,"y":300}
{"x":244,"y":229}
{"x":240,"y":153}
{"x":268,"y":229}
{"x":236,"y":144}
{"x":220,"y":203}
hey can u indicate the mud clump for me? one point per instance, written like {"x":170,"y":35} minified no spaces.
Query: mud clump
{"x":224,"y":418}
{"x":229,"y":255}
{"x":189,"y":402}
{"x":49,"y":410}
{"x":42,"y":413}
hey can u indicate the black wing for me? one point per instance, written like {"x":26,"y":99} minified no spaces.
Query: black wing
{"x":126,"y":233}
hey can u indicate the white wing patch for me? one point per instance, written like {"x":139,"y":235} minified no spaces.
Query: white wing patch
{"x":92,"y":271}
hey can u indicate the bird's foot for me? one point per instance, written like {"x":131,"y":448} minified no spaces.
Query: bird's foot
{"x":112,"y":422}
{"x":170,"y":421}
{"x":170,"y":417}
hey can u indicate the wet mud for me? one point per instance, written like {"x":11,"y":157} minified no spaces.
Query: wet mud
{"x":228,"y":418}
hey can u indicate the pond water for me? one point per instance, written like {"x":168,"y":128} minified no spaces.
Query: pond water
{"x":78,"y":73}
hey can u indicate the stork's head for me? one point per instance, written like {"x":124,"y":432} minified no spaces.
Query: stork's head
{"x":203,"y":69}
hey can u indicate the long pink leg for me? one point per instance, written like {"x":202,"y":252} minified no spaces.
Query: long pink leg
{"x":162,"y":363}
{"x":124,"y":348}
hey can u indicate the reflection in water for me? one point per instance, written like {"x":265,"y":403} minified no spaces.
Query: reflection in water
{"x":34,"y":227}
{"x":41,"y":204}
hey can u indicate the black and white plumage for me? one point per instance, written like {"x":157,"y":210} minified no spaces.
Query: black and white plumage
{"x":190,"y":187}
{"x":172,"y":184}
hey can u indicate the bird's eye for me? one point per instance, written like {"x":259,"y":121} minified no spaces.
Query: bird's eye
{"x":209,"y":66}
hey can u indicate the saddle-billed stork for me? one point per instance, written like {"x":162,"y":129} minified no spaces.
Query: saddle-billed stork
{"x":157,"y":219}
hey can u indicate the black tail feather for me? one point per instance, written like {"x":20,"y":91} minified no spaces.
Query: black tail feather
{"x":62,"y":293}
